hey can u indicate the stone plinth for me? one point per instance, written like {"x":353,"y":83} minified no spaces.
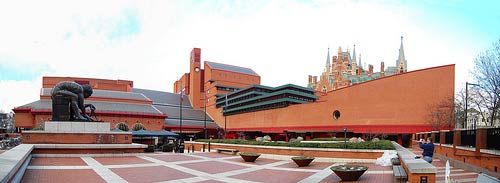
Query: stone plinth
{"x":65,"y":132}
{"x":70,"y":126}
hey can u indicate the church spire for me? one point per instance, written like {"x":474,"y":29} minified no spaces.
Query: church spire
{"x":401,"y":62}
{"x":354,"y":53}
{"x":328,"y":57}
{"x":401,"y":51}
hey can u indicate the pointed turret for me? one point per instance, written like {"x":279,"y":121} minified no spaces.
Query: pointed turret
{"x":401,"y":62}
{"x":354,"y":53}
{"x":328,"y":57}
{"x":328,"y":64}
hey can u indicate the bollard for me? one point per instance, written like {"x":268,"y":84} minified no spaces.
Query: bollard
{"x":208,"y":146}
{"x":192,"y":146}
{"x":203,"y":147}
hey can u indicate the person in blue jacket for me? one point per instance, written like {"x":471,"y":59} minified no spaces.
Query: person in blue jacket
{"x":428,"y":148}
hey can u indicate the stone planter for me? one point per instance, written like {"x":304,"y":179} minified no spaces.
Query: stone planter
{"x":249,"y":157}
{"x":349,"y":172}
{"x":302,"y":160}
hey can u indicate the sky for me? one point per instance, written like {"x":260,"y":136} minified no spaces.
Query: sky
{"x":149,"y":41}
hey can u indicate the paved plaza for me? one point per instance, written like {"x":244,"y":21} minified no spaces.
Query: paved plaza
{"x":199,"y":167}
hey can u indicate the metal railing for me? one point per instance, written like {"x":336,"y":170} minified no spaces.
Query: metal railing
{"x":448,"y":138}
{"x":468,"y":138}
{"x":492,"y":136}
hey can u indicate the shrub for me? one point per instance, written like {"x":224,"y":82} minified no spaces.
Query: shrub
{"x":122,"y":126}
{"x":138,"y":126}
{"x":382,"y":144}
{"x":167,"y":148}
{"x":327,"y":139}
{"x":151,"y":148}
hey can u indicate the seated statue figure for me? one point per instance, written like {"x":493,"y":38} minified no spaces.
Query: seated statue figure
{"x":75,"y":93}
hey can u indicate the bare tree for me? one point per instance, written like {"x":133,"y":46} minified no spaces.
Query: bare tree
{"x":460,"y":109}
{"x":441,"y":114}
{"x":487,"y":74}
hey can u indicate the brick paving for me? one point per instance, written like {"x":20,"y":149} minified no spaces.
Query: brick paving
{"x":72,"y":176}
{"x":57,"y":162}
{"x":192,"y":167}
{"x":121,"y":160}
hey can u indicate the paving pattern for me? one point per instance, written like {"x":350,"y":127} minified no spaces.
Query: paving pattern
{"x":456,"y":174}
{"x":193,"y":167}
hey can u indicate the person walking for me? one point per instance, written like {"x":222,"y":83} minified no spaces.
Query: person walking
{"x":428,"y":149}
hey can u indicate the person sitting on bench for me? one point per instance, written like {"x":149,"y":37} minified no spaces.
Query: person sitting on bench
{"x":76,"y":94}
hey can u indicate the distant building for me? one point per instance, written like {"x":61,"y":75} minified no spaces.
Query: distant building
{"x":395,"y":105}
{"x":346,"y":70}
{"x":118,"y":101}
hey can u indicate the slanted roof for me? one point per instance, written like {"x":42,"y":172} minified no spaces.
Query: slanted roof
{"x":174,"y":112}
{"x":127,"y":108}
{"x":190,"y":123}
{"x":107,"y":94}
{"x":232,"y":68}
{"x":164,"y":98}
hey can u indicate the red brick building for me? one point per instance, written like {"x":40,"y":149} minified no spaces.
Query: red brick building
{"x":117,"y":101}
{"x":394,"y":106}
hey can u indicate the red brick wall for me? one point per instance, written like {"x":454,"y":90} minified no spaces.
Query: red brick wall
{"x":399,"y":100}
{"x":486,"y":161}
{"x":151,"y":123}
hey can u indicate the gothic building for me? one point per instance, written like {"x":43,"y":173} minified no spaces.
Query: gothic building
{"x":345,"y":70}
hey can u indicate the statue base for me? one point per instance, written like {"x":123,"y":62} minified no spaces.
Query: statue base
{"x":60,"y":137}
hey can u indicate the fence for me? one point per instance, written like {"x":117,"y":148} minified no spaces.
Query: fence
{"x":437,"y":138}
{"x":492,"y":138}
{"x":468,"y":138}
{"x":448,"y":138}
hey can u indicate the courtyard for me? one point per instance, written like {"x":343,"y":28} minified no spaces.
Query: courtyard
{"x":201,"y":167}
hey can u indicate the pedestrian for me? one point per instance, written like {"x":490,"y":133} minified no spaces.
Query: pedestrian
{"x":428,"y":149}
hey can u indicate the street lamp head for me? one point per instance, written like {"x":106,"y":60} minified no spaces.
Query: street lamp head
{"x":345,"y":129}
{"x":211,"y":81}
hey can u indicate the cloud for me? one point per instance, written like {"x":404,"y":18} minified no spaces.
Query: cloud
{"x":283,"y":41}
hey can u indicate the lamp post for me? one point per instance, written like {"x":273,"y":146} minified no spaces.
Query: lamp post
{"x":205,"y":120}
{"x":467,"y":99}
{"x":345,"y":138}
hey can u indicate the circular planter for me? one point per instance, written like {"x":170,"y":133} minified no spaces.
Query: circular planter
{"x":249,"y":157}
{"x":302,"y":160}
{"x":349,"y":172}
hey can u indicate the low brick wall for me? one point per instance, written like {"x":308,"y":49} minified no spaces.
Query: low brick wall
{"x":291,"y":151}
{"x":88,"y":148}
{"x":42,"y":137}
{"x":416,"y":169}
{"x":468,"y":159}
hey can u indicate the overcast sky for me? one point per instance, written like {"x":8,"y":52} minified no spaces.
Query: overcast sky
{"x":149,"y":42}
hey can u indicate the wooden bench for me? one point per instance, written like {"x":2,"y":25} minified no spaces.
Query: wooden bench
{"x":395,"y":161}
{"x":399,"y":174}
{"x":233,"y":151}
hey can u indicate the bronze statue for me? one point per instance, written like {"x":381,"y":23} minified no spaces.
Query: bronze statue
{"x":71,"y":93}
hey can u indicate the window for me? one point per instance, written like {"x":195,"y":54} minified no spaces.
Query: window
{"x":336,"y":114}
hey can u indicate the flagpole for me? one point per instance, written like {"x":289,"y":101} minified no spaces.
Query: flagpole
{"x":225,"y":126}
{"x":180,"y":110}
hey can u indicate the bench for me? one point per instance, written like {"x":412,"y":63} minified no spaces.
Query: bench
{"x":395,"y":161}
{"x":233,"y":151}
{"x":399,"y":173}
